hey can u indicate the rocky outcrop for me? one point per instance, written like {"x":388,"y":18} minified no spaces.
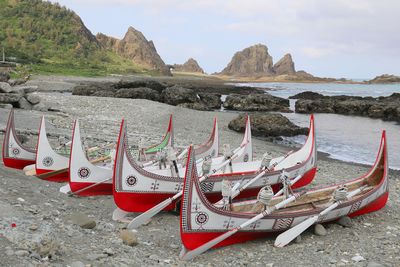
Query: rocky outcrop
{"x":19,"y":97}
{"x":190,"y":65}
{"x":285,"y":66}
{"x":267,"y":125}
{"x":386,"y":108}
{"x":385,"y":78}
{"x":136,"y":47}
{"x":252,"y":61}
{"x":307,"y":95}
{"x":152,"y":90}
{"x":256,"y":102}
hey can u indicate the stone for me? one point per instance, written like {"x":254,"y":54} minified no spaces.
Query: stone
{"x":285,"y":66}
{"x":267,"y":125}
{"x":139,"y":92}
{"x":307,"y":95}
{"x":256,"y":102}
{"x":4,"y":76}
{"x":33,"y":227}
{"x":9,"y":252}
{"x":109,"y":251}
{"x":154,"y":257}
{"x":374,"y":264}
{"x":345,"y":221}
{"x":21,"y":253}
{"x":93,"y":257}
{"x":24,"y":104}
{"x":358,"y":258}
{"x":83,"y":220}
{"x":33,"y":98}
{"x":9,"y":98}
{"x":298,"y":239}
{"x":5,"y":87}
{"x":320,"y":230}
{"x":35,"y":255}
{"x":129,"y":237}
{"x":176,"y":95}
{"x":40,"y":107}
{"x":6,"y":106}
{"x":77,"y":264}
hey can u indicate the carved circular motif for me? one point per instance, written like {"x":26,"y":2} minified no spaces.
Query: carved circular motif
{"x":15,"y":151}
{"x":47,"y":161}
{"x":201,"y":218}
{"x":246,"y":157}
{"x":131,"y":180}
{"x":83,"y":172}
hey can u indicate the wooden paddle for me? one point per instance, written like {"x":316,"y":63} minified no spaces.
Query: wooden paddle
{"x":146,"y":216}
{"x":188,"y":255}
{"x":49,"y":174}
{"x":287,"y":236}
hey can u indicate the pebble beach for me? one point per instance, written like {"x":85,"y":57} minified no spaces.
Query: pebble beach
{"x":36,"y":220}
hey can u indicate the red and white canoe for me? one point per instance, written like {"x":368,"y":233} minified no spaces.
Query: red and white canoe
{"x":88,"y":179}
{"x":137,"y":190}
{"x":15,"y":154}
{"x":48,"y":160}
{"x":201,"y":221}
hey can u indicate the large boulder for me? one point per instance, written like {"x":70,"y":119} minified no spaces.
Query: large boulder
{"x":256,"y":102}
{"x":9,"y":98}
{"x":140,"y":92}
{"x":5,"y":87}
{"x":212,"y":101}
{"x":24,"y":104}
{"x":307,"y":95}
{"x":4,"y":76}
{"x":90,"y":88}
{"x":159,"y":87}
{"x":33,"y":98}
{"x":267,"y":125}
{"x":176,"y":95}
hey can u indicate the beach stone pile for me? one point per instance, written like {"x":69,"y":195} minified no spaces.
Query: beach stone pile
{"x":267,"y":125}
{"x":13,"y":94}
{"x":385,"y":108}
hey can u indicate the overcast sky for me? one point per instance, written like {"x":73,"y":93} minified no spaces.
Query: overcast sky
{"x":336,"y":38}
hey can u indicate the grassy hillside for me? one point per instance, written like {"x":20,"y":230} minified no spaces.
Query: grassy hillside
{"x":53,"y":39}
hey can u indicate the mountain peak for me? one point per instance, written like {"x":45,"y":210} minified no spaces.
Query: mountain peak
{"x":190,"y":65}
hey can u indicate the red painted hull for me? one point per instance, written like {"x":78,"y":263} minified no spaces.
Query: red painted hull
{"x":100,"y":189}
{"x":194,"y":240}
{"x":141,"y":202}
{"x":58,"y":178}
{"x":17,"y":163}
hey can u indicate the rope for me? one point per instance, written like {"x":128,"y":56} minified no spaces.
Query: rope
{"x":340,"y":193}
{"x":265,"y":195}
{"x":266,"y":159}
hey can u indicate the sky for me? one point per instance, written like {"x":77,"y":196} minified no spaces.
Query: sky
{"x":337,"y":38}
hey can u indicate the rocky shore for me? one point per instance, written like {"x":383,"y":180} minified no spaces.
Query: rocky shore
{"x":41,"y":227}
{"x":385,"y":108}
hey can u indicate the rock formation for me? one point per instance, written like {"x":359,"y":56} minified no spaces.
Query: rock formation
{"x":285,"y":66}
{"x":267,"y":125}
{"x":190,"y":65}
{"x":386,"y":108}
{"x":137,"y":48}
{"x":252,"y":61}
{"x":385,"y":78}
{"x":256,"y":102}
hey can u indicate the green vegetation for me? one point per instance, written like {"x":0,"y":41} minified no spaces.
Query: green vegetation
{"x":50,"y":39}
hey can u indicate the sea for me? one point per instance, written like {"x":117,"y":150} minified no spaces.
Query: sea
{"x":348,"y":138}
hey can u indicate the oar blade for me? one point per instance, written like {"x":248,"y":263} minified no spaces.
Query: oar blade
{"x":203,"y":248}
{"x":119,"y":215}
{"x":146,"y":216}
{"x":287,"y":236}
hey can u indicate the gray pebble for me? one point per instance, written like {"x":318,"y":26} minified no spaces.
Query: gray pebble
{"x":21,"y":253}
{"x":77,"y":264}
{"x":320,"y":230}
{"x":345,"y":221}
{"x":374,"y":264}
{"x":83,"y":220}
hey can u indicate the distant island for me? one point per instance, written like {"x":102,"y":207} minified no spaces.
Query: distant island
{"x":46,"y":38}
